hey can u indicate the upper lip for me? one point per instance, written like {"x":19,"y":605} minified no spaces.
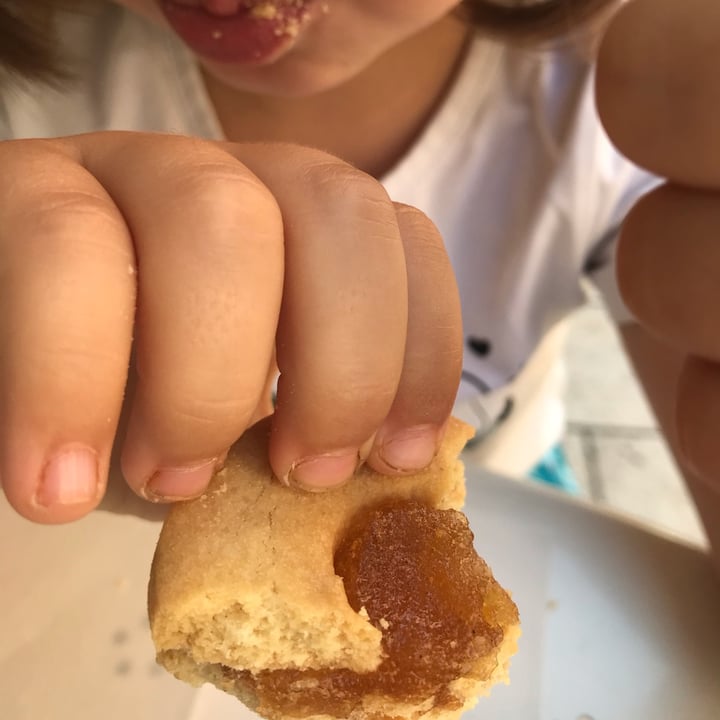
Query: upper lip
{"x":227,"y":7}
{"x":217,"y":7}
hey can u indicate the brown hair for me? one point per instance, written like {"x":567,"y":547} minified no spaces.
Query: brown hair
{"x":28,"y":43}
{"x":29,"y":46}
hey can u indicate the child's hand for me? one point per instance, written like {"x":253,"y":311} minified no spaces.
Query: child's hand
{"x":659,"y":96}
{"x":205,"y":255}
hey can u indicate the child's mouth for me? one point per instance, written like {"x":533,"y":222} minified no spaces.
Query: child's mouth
{"x":247,"y":32}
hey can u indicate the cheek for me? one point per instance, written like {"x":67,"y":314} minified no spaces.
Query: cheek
{"x":411,"y":11}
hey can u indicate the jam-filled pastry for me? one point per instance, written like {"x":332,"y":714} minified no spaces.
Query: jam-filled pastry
{"x":367,"y":602}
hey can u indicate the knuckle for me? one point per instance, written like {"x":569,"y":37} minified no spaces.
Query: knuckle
{"x":363,"y":388}
{"x":426,"y":256}
{"x":69,"y":226}
{"x":416,"y":220}
{"x":418,"y":230}
{"x":226,"y":195}
{"x":334,"y":182}
{"x":63,"y":204}
{"x":23,"y":151}
{"x":338,"y":410}
{"x":207,"y":400}
{"x":31,"y":168}
{"x":76,"y":229}
{"x":354,"y":200}
{"x":218,"y":181}
{"x":212,"y":418}
{"x":381,"y":393}
{"x":76,"y":361}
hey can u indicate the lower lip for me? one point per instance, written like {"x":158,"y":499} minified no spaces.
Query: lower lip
{"x":251,"y":36}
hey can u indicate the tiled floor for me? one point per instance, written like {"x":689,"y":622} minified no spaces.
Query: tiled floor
{"x":612,"y":442}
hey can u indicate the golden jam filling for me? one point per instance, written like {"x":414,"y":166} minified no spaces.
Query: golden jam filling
{"x":415,"y":571}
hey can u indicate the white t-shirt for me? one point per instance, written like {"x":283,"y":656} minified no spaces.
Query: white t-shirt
{"x":514,"y":169}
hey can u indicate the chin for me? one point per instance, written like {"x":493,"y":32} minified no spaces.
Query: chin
{"x":289,"y":77}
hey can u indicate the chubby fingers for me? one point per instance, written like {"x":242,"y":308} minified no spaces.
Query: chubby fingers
{"x":66,"y":318}
{"x":209,"y":242}
{"x":369,"y":297}
{"x":657,"y":88}
{"x":216,"y":262}
{"x":103,"y":230}
{"x":432,"y":364}
{"x":343,"y":323}
{"x":659,"y":99}
{"x":668,"y":265}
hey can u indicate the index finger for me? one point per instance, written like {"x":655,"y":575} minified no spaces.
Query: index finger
{"x":657,"y":89}
{"x":68,"y":297}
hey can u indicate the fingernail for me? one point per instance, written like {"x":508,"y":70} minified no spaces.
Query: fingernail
{"x":179,"y":483}
{"x":69,"y":478}
{"x":323,"y":472}
{"x":412,"y":449}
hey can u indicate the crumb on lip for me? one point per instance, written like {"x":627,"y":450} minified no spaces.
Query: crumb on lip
{"x":291,"y":28}
{"x":265,"y":11}
{"x":277,"y":11}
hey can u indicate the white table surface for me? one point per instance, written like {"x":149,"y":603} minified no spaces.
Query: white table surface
{"x":619,"y":623}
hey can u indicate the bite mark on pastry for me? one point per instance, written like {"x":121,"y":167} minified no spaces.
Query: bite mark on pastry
{"x":367,"y":602}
